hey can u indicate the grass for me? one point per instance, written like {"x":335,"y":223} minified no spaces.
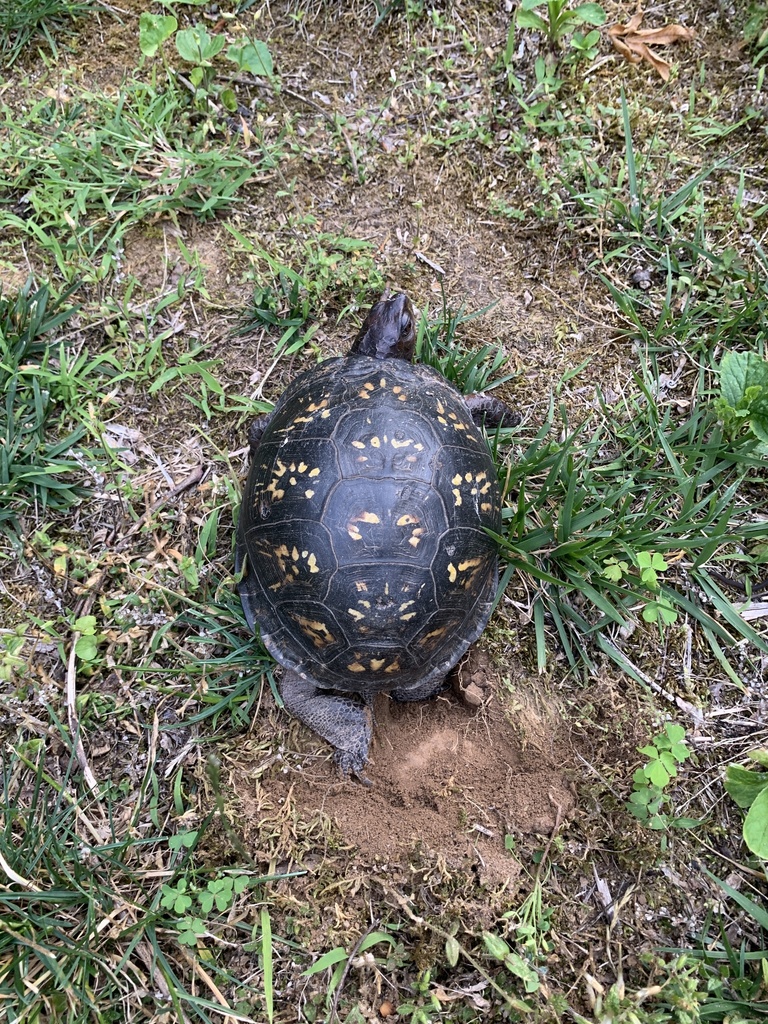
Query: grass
{"x":189,"y":884}
{"x":633,"y":479}
{"x":39,"y":465}
{"x":24,"y":21}
{"x":87,"y":171}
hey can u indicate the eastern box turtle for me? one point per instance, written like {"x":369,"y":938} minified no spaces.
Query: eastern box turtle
{"x":363,"y":535}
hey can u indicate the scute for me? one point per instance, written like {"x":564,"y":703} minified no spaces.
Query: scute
{"x":368,"y":565}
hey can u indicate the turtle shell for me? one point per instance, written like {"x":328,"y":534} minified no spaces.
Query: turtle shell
{"x":363,"y":529}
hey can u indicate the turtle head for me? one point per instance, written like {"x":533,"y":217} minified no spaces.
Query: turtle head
{"x":389,"y":330}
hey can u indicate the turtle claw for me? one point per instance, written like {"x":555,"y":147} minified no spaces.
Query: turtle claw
{"x":351,"y":762}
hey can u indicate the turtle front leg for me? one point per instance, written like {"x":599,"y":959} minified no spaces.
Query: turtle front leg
{"x":343,"y":722}
{"x":495,"y":412}
{"x":256,"y":431}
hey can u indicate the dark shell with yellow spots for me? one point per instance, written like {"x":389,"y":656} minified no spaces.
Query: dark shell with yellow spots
{"x":364,"y":527}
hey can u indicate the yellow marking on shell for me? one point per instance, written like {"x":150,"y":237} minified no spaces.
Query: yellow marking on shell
{"x":383,"y":382}
{"x":354,"y":533}
{"x":456,"y":496}
{"x":316,"y":630}
{"x":386,"y":589}
{"x":480,"y":476}
{"x":304,"y":554}
{"x":302,"y":467}
{"x":376,"y":442}
{"x":356,"y":615}
{"x":295,"y":570}
{"x":451,"y":572}
{"x":314,"y":472}
{"x":435,"y":633}
{"x":486,"y":506}
{"x":443,"y":420}
{"x":468,"y":478}
{"x":355,"y":666}
{"x":309,"y":493}
{"x":366,"y":517}
{"x":459,"y":426}
{"x":397,"y":389}
{"x":404,"y":605}
{"x":408,"y":617}
{"x":402,"y":398}
{"x":361,"y":458}
{"x":469,"y":564}
{"x":325,"y":414}
{"x":358,"y":444}
{"x":303,"y":419}
{"x":456,"y":480}
{"x":295,"y":554}
{"x":440,"y":407}
{"x":452,"y":416}
{"x":365,"y":604}
{"x":292,"y":481}
{"x":401,"y":444}
{"x":393,"y":667}
{"x":419,"y":447}
{"x":361,"y":585}
{"x":312,"y":563}
{"x":407,"y":520}
{"x":317,"y":406}
{"x":485,"y":488}
{"x":369,"y":385}
{"x":415,"y":537}
{"x":377,"y":663}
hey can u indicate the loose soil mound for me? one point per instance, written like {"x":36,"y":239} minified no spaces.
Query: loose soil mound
{"x":452,"y":779}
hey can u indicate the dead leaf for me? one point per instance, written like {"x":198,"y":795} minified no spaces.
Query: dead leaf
{"x":633,"y":42}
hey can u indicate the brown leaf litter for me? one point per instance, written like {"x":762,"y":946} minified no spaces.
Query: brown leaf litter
{"x":634,"y":43}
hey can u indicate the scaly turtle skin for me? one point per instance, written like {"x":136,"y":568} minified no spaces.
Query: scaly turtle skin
{"x":363,"y":531}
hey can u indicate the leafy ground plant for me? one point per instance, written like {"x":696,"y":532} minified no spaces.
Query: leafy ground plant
{"x":749,"y":788}
{"x":559,"y":22}
{"x":648,"y":798}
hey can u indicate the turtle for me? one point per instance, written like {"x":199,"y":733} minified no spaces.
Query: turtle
{"x":366,"y":550}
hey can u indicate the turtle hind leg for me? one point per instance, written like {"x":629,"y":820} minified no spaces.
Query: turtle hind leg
{"x":344,"y":722}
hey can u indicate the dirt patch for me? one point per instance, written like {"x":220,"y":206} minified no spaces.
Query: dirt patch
{"x":447,"y":778}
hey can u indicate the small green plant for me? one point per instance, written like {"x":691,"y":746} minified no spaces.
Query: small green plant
{"x":649,"y":564}
{"x":199,"y":48}
{"x":218,"y":895}
{"x":744,"y":394}
{"x":749,"y":789}
{"x":561,"y":20}
{"x":648,"y":798}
